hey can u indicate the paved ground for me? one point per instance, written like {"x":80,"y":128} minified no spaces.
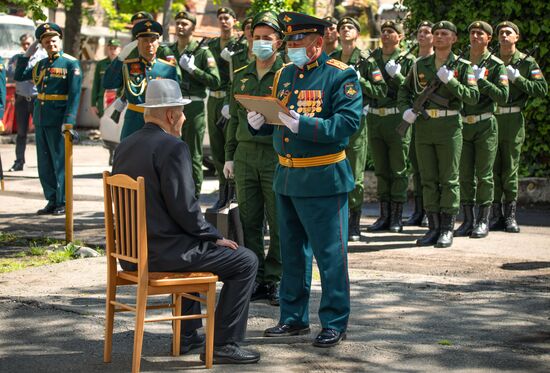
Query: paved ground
{"x":481,"y":306}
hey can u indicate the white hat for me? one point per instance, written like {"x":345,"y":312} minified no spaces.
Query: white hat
{"x":163,"y":93}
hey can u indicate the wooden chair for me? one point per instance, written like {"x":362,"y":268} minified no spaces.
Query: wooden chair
{"x":126,"y":238}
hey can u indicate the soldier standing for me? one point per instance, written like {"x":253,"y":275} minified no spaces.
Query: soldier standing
{"x":330,"y":39}
{"x":526,"y":81}
{"x":58,"y":80}
{"x":479,"y":133}
{"x":98,"y":92}
{"x":133,"y":74}
{"x":389,"y":150}
{"x":439,"y":138}
{"x":199,"y":72}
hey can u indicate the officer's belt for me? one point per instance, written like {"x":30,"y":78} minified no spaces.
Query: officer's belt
{"x":383,"y":111}
{"x":435,"y":113}
{"x":508,"y":109}
{"x":139,"y":109}
{"x":196,"y":98}
{"x":45,"y":97}
{"x":321,"y":160}
{"x":217,"y":94}
{"x":471,"y":119}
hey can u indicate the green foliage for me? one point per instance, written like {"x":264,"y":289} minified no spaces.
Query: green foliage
{"x":33,"y":7}
{"x":534,"y":24}
{"x":303,"y":6}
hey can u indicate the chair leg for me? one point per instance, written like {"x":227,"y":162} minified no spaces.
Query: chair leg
{"x":109,"y":321}
{"x":176,"y":325}
{"x":210,"y":309}
{"x":141,"y":305}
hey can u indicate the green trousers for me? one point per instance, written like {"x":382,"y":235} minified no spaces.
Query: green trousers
{"x":50,"y":152}
{"x":216,"y":135}
{"x":438,"y":148}
{"x":254,"y":168}
{"x":356,"y":153}
{"x":511,"y":134}
{"x":479,"y":148}
{"x":417,"y":180}
{"x":389,"y":152}
{"x":193,"y":134}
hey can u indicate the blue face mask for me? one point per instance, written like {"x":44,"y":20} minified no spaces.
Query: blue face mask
{"x":298,"y":56}
{"x":263,"y":49}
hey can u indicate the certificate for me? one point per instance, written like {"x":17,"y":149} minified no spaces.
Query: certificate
{"x":268,"y":106}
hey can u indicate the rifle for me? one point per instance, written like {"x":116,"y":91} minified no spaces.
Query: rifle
{"x":199,"y":46}
{"x":491,"y":52}
{"x":409,"y":51}
{"x":428,"y":94}
{"x":527,"y":55}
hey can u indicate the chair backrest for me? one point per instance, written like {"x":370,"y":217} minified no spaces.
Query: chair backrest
{"x":125,"y":218}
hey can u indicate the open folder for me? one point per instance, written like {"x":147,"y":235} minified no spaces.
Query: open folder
{"x":268,"y":106}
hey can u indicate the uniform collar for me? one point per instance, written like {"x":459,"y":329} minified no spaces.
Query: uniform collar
{"x":318,"y":62}
{"x":55,"y":56}
{"x":147,"y":63}
{"x":251,"y":68}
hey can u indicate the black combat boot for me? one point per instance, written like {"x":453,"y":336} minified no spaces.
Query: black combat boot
{"x":468,"y":224}
{"x":396,"y":217}
{"x":383,"y":222}
{"x":354,"y":225}
{"x":424,"y":222}
{"x":446,"y":235}
{"x":511,"y":226}
{"x":497,"y":221}
{"x":430,"y":238}
{"x":481,"y":228}
{"x":222,"y":199}
{"x":416,"y":218}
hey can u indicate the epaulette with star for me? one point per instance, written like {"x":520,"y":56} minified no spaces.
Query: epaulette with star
{"x":171,"y":62}
{"x":131,"y":60}
{"x":338,"y":64}
{"x":240,"y":69}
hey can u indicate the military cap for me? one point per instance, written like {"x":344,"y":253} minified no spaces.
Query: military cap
{"x":226,"y":11}
{"x":48,"y":29}
{"x":268,"y":18}
{"x":507,"y":24}
{"x":246,"y":21}
{"x":114,"y":43}
{"x":146,"y":28}
{"x":398,"y":27}
{"x":331,"y":19}
{"x":444,"y":25}
{"x":186,"y":15}
{"x":141,"y":16}
{"x":349,"y":21}
{"x":297,"y":25}
{"x":482,"y":26}
{"x":425,"y":24}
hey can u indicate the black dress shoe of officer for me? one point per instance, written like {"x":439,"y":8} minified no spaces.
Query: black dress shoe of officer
{"x":285,"y":330}
{"x":231,"y":353}
{"x":190,"y":342}
{"x":16,"y":167}
{"x":329,"y":337}
{"x":59,"y":210}
{"x":48,"y":209}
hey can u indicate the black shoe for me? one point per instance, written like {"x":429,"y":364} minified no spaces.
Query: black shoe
{"x":260,"y":291}
{"x":383,"y":222}
{"x":273,"y":294}
{"x":329,"y":338}
{"x":59,"y":210}
{"x":16,"y":167}
{"x":396,"y":217}
{"x":191,"y":342}
{"x":285,"y":330}
{"x":222,"y":199}
{"x":497,"y":220}
{"x":231,"y":353}
{"x":447,"y":224}
{"x":354,"y":225}
{"x":467,"y":226}
{"x":511,"y":226}
{"x":431,"y":236}
{"x":481,"y":228}
{"x":416,"y":218}
{"x":47,"y":210}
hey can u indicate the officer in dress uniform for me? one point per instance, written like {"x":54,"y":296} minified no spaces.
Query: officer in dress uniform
{"x":479,"y":133}
{"x":58,"y":79}
{"x":199,"y":72}
{"x":313,"y":177}
{"x":526,"y":81}
{"x":439,"y":138}
{"x":133,"y":74}
{"x":98,"y":91}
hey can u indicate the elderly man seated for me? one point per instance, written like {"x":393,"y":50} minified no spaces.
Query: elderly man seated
{"x":179,"y":238}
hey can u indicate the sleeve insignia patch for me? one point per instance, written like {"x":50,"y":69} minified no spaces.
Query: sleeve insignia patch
{"x":349,"y":89}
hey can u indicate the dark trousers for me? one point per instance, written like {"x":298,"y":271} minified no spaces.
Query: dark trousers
{"x":23,"y":111}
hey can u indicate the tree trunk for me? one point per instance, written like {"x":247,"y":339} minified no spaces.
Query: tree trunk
{"x":166,"y":20}
{"x":71,"y":36}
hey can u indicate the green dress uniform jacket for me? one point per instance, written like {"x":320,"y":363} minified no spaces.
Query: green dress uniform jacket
{"x":97,"y":86}
{"x":58,"y":80}
{"x":254,"y":162}
{"x":479,"y":135}
{"x":511,"y":126}
{"x":132,"y":75}
{"x":193,"y":86}
{"x":439,"y":139}
{"x":312,"y":207}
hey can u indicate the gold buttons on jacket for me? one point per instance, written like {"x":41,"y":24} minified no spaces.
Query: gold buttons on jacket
{"x":289,"y":156}
{"x":287,"y":139}
{"x":301,"y":76}
{"x":291,"y":107}
{"x":295,"y":91}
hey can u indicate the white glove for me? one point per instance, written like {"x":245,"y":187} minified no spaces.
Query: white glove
{"x":32,"y":49}
{"x":444,"y":74}
{"x":229,"y":169}
{"x":513,"y":74}
{"x":393,"y":68}
{"x":409,"y":116}
{"x":479,"y":72}
{"x":188,"y":63}
{"x":128,"y":48}
{"x":365,"y":110}
{"x":226,"y":54}
{"x":256,"y":120}
{"x":225,"y":112}
{"x":292,"y":121}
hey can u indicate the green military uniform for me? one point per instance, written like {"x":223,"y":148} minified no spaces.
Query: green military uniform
{"x":97,"y":87}
{"x":58,"y":80}
{"x":439,"y":138}
{"x":2,"y":90}
{"x":193,"y":86}
{"x":133,"y":74}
